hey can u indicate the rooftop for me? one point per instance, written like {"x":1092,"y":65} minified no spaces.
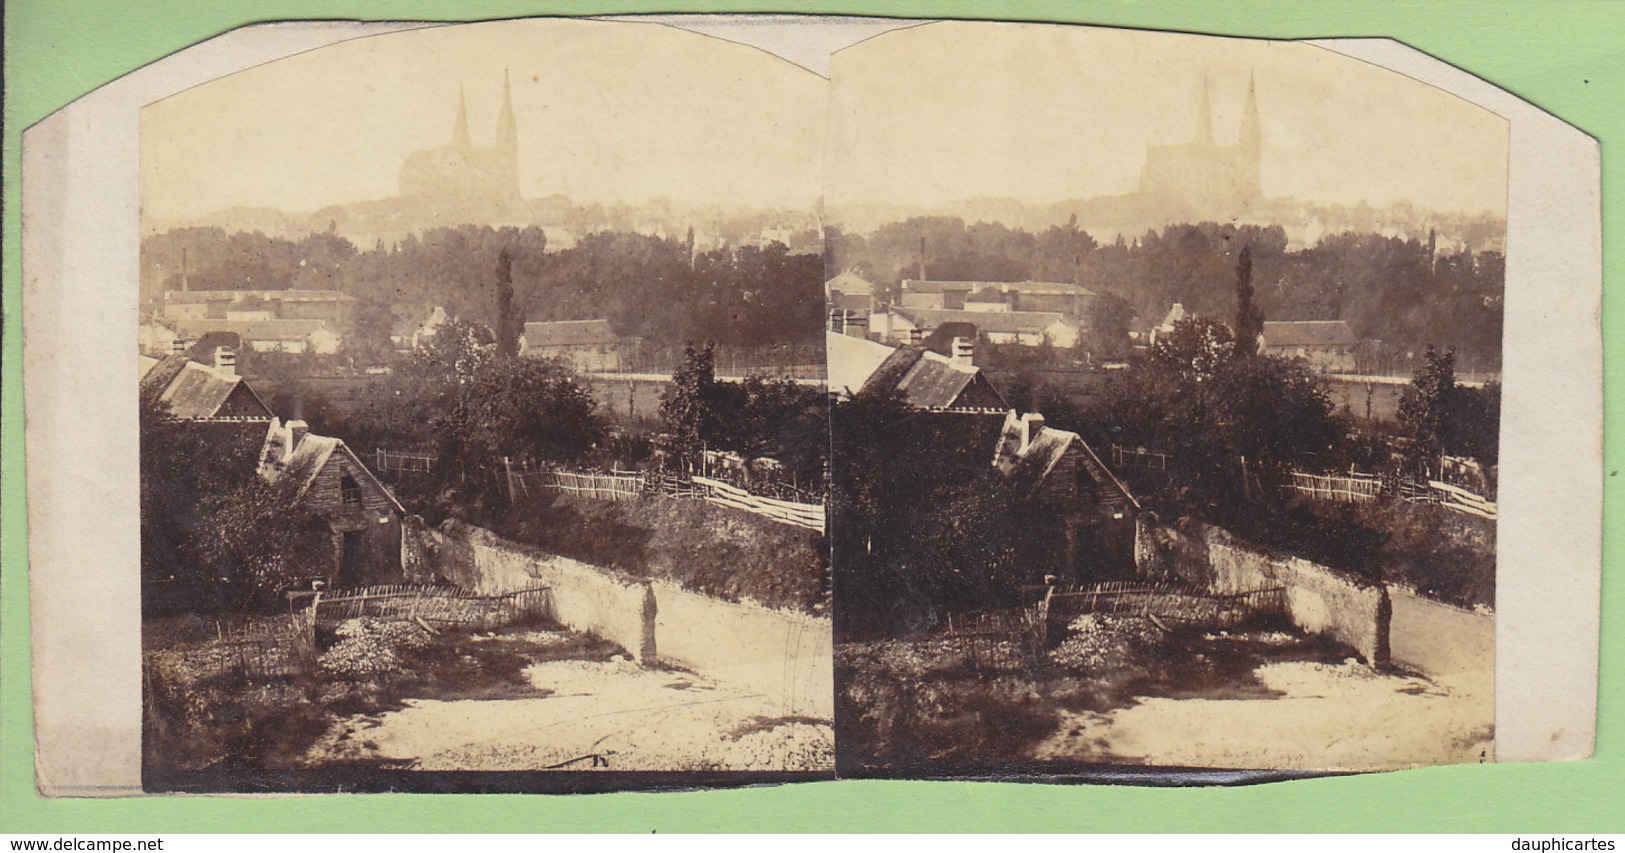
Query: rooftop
{"x":565,"y":333}
{"x":1307,"y":333}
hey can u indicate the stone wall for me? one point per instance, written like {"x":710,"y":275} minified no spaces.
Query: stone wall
{"x":585,"y":598}
{"x":1320,"y":600}
{"x":788,"y":656}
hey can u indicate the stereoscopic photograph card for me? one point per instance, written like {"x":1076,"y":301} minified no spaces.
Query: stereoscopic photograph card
{"x":568,"y":405}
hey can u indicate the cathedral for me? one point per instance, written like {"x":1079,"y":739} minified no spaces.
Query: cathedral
{"x":461,"y":174}
{"x":1206,"y":177}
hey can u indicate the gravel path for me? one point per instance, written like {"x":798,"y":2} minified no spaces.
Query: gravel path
{"x":587,"y":715}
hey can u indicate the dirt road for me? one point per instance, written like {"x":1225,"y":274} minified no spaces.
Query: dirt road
{"x":1328,"y":717}
{"x":586,"y":715}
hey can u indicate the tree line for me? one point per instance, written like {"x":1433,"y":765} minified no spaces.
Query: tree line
{"x":1404,"y":293}
{"x":661,"y":290}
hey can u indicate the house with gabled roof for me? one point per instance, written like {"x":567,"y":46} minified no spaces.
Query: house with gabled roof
{"x":590,"y":345}
{"x":325,"y":475}
{"x":1057,"y":471}
{"x":1328,"y":345}
{"x":195,"y":391}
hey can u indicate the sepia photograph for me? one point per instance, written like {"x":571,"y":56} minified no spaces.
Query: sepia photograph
{"x":657,"y":403}
{"x":1166,"y":380}
{"x":483,"y":424}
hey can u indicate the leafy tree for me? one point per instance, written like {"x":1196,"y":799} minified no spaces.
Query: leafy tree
{"x":1109,"y":326}
{"x":1194,"y":351}
{"x":509,"y":324}
{"x":1249,"y":317}
{"x":687,"y":413}
{"x":1424,"y":410}
{"x":214,"y":536}
{"x":255,"y":541}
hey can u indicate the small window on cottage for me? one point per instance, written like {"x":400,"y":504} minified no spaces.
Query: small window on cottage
{"x":350,"y":492}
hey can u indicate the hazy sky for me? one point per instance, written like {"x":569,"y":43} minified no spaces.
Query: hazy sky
{"x":606,"y":112}
{"x":1042,"y":113}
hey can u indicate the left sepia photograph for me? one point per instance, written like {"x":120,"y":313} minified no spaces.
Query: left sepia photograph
{"x":483,"y":417}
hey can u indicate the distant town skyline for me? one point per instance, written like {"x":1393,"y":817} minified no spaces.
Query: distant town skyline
{"x":1042,"y":113}
{"x":607,"y":113}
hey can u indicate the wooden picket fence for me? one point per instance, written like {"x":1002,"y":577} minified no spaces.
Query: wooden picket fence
{"x":1353,"y":486}
{"x":810,"y":516}
{"x":1451,"y":497}
{"x":605,"y":487}
{"x":260,"y":647}
{"x":629,"y":485}
{"x":1356,"y":486}
{"x":403,"y":461}
{"x":1175,"y":604}
{"x":430,"y":604}
{"x":1138,"y":457}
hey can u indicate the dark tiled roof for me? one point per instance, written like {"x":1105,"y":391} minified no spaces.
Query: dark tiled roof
{"x":569,"y":333}
{"x":1032,"y":464}
{"x":852,"y":301}
{"x":193,"y":390}
{"x":1308,"y":333}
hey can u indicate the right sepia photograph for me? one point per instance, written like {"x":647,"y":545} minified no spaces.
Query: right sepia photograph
{"x":1165,"y":376}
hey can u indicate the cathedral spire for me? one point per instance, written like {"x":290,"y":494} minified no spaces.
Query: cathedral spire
{"x":1204,"y":123}
{"x":459,"y":131}
{"x":507,"y":126}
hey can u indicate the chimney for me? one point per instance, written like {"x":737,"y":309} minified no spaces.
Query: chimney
{"x":225,"y":358}
{"x":185,"y":284}
{"x":297,"y":430}
{"x":177,"y":346}
{"x":922,"y":259}
{"x":964,"y":351}
{"x":1032,"y":424}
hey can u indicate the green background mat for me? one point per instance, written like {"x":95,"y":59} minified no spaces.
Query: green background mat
{"x":1567,"y":57}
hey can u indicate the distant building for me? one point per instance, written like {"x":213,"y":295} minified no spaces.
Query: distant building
{"x":157,"y":339}
{"x":1072,"y":301}
{"x":330,"y":306}
{"x":849,"y":300}
{"x":1058,"y":470}
{"x":329,"y":479}
{"x":590,"y":345}
{"x":1028,"y":328}
{"x":408,"y":334}
{"x":459,"y":173}
{"x":1204,"y":176}
{"x":1328,"y":345}
{"x":194,"y":391}
{"x":1175,"y":315}
{"x":275,"y":335}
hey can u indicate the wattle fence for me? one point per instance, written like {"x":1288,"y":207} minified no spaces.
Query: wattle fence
{"x":430,"y":604}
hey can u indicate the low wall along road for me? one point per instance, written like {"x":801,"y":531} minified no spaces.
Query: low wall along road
{"x":1384,"y":624}
{"x":785,"y":656}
